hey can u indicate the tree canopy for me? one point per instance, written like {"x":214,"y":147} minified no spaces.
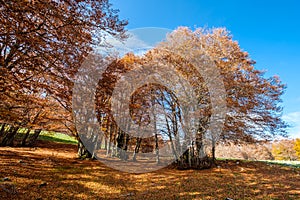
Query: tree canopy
{"x":253,"y":110}
{"x":42,"y":45}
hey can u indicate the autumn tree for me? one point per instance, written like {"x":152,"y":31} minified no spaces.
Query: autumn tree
{"x":116,"y":140}
{"x":167,"y":122}
{"x":284,"y":150}
{"x":253,"y":101}
{"x":42,"y":45}
{"x":297,"y":147}
{"x":253,"y":110}
{"x":36,"y":114}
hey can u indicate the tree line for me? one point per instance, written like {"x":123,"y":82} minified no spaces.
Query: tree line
{"x":43,"y":44}
{"x":253,"y":115}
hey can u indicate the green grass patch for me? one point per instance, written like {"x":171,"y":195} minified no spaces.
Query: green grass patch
{"x":57,"y":137}
{"x":295,"y":164}
{"x":283,"y":163}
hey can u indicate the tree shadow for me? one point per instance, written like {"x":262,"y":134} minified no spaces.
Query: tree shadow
{"x":36,"y":174}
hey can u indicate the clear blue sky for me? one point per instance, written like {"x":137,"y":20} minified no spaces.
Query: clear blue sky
{"x":268,"y":30}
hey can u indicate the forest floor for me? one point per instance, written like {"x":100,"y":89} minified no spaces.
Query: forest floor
{"x":51,"y":171}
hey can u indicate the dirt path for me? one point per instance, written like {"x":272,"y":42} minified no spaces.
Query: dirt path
{"x":51,"y":171}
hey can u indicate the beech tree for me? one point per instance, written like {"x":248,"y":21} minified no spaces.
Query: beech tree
{"x":42,"y":45}
{"x":253,"y":101}
{"x":116,"y":140}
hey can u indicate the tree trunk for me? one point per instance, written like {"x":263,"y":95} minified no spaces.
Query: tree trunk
{"x":213,"y":151}
{"x":156,"y":137}
{"x":137,"y":148}
{"x":96,"y":145}
{"x":176,"y":157}
{"x":200,"y":146}
{"x":157,"y":149}
{"x":101,"y":141}
{"x":105,"y":143}
{"x":2,"y":130}
{"x":10,"y":141}
{"x":108,"y":144}
{"x":122,"y":141}
{"x":23,"y":143}
{"x":83,"y":153}
{"x":9,"y":136}
{"x":34,"y":137}
{"x":5,"y":135}
{"x":108,"y":140}
{"x":191,"y":156}
{"x":125,"y":146}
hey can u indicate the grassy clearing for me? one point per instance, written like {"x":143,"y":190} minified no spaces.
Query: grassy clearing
{"x":284,"y":163}
{"x":269,"y":162}
{"x":57,"y":137}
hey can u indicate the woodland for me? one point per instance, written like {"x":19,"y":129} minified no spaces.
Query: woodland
{"x":43,"y":45}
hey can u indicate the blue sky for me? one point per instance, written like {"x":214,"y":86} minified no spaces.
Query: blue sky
{"x":268,"y":30}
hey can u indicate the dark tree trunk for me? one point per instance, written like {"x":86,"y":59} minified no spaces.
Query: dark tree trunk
{"x":195,"y":156}
{"x":10,"y":141}
{"x":34,"y":137}
{"x":156,"y":138}
{"x":125,"y":147}
{"x":184,"y":160}
{"x":213,"y":151}
{"x":23,"y":143}
{"x":105,"y":143}
{"x":122,"y":141}
{"x":137,"y":148}
{"x":9,"y":136}
{"x":191,"y":161}
{"x":83,"y":153}
{"x":2,"y":130}
{"x":5,"y":135}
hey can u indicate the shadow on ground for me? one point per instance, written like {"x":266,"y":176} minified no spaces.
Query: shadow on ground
{"x":51,"y":171}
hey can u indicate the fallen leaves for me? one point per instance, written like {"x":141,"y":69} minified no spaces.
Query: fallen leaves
{"x":67,"y":178}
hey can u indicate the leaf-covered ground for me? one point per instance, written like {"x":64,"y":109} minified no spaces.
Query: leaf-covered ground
{"x":51,"y":171}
